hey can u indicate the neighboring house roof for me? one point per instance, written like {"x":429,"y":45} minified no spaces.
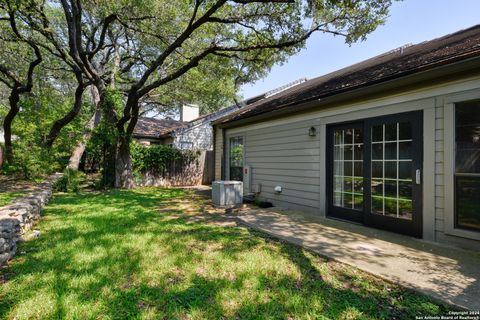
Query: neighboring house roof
{"x":225,"y":111}
{"x":395,"y":64}
{"x":155,"y":128}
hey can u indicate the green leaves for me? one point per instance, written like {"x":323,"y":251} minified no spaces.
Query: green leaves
{"x":152,"y":158}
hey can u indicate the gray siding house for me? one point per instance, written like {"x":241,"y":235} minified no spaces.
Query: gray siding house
{"x":392,"y":142}
{"x":197,"y":134}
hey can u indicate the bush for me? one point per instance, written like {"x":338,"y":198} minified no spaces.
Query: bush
{"x":152,"y":158}
{"x":70,"y":181}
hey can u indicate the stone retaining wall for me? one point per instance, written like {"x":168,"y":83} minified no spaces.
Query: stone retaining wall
{"x":17,"y":218}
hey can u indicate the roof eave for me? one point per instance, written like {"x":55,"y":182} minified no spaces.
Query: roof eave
{"x":469,"y":64}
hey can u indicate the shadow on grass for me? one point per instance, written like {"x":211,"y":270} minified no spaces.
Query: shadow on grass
{"x":121,"y":254}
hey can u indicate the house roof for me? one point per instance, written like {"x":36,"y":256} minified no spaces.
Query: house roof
{"x":395,"y":64}
{"x":225,"y":111}
{"x":155,"y":128}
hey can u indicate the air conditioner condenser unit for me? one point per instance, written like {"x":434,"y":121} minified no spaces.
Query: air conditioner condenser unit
{"x":227,"y":194}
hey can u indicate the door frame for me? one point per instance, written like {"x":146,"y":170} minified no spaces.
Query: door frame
{"x":412,"y":227}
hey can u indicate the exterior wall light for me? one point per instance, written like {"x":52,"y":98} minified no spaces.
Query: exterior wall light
{"x":312,"y":132}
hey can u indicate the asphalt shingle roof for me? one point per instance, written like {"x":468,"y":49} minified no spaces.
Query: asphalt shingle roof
{"x":154,"y":128}
{"x":394,"y":64}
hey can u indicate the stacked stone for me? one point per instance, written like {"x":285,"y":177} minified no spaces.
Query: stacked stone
{"x":17,"y":218}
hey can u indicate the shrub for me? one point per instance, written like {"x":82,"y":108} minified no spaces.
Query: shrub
{"x":152,"y":158}
{"x":70,"y":181}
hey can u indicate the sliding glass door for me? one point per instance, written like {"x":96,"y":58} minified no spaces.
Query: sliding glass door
{"x":375,"y":172}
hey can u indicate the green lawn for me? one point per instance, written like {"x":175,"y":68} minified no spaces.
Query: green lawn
{"x":7,"y":197}
{"x":144,"y":254}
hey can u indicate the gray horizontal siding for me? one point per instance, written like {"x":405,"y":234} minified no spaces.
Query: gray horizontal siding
{"x":279,"y":145}
{"x":306,"y":181}
{"x":290,"y":173}
{"x":288,"y":127}
{"x":282,"y":140}
{"x":286,"y":156}
{"x":285,"y":153}
{"x":286,"y":165}
{"x":218,"y":153}
{"x":285,"y":159}
{"x":270,"y":185}
{"x":289,"y":199}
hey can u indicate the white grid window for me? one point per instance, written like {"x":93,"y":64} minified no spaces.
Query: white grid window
{"x":348,"y":168}
{"x":391,"y":183}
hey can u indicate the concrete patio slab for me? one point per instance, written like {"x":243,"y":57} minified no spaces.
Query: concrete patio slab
{"x":445,"y":273}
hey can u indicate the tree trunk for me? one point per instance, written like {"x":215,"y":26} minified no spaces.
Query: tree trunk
{"x":74,"y":162}
{"x":61,"y":123}
{"x":123,"y":165}
{"x":123,"y":162}
{"x":7,"y":124}
{"x":1,"y":156}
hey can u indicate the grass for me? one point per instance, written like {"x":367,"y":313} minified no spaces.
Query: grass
{"x":159,"y":254}
{"x":7,"y":197}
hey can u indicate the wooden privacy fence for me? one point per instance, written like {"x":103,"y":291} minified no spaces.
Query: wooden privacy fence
{"x":189,"y":170}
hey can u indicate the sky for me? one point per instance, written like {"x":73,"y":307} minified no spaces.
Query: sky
{"x":410,"y":21}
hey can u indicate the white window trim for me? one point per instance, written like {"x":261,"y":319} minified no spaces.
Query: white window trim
{"x":449,"y":170}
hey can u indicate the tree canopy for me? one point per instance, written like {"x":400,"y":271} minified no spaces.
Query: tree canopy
{"x":157,"y":54}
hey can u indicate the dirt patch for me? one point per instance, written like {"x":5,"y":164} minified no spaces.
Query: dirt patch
{"x":8,"y":184}
{"x":197,"y":207}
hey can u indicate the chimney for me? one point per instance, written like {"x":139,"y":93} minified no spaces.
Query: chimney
{"x":189,"y":112}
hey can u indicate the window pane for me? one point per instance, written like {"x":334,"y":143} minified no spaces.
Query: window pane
{"x":391,"y":132}
{"x":358,"y":151}
{"x":467,"y":162}
{"x":377,"y":169}
{"x":405,"y":209}
{"x":348,"y":136}
{"x":358,"y":185}
{"x":347,"y":166}
{"x":236,"y":173}
{"x":405,"y":131}
{"x":377,"y":133}
{"x":391,"y":170}
{"x":347,"y":184}
{"x":236,"y":158}
{"x":377,"y":187}
{"x":405,"y":190}
{"x":390,"y":189}
{"x":467,"y":113}
{"x":338,"y":183}
{"x":391,"y":186}
{"x":405,"y":150}
{"x":358,"y":169}
{"x":358,"y":201}
{"x":390,"y":207}
{"x":405,"y":170}
{"x":348,"y":200}
{"x":467,"y":202}
{"x":358,"y":136}
{"x":467,"y":137}
{"x":337,"y":199}
{"x":348,"y":152}
{"x":390,"y":150}
{"x":377,"y":205}
{"x":377,"y":151}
